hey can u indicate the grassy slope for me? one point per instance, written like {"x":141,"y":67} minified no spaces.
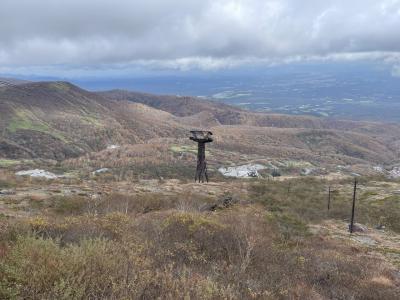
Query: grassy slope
{"x":58,"y":116}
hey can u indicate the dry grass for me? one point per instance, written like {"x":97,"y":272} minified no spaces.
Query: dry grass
{"x":156,"y":245}
{"x":306,"y":199}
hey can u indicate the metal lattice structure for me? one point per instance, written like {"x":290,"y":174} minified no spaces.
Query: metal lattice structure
{"x":201,"y":137}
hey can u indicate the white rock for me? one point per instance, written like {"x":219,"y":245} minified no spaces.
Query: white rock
{"x":112,"y":147}
{"x":378,"y":169}
{"x":306,"y":171}
{"x":244,"y":171}
{"x":38,"y":173}
{"x":7,"y":192}
{"x":395,"y":172}
{"x":102,"y":170}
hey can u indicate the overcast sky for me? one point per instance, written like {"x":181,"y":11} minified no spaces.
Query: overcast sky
{"x":185,"y":34}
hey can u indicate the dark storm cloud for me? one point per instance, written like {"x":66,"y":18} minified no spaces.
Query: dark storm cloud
{"x":205,"y":33}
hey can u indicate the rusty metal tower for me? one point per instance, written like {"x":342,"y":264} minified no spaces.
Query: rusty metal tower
{"x":201,"y":137}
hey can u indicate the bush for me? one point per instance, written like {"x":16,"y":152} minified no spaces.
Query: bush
{"x":151,"y":250}
{"x":94,"y":269}
{"x":289,"y":226}
{"x":68,"y":205}
{"x":144,"y":203}
{"x":192,"y":238}
{"x":7,"y":180}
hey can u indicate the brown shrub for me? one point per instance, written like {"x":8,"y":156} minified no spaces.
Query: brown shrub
{"x":240,"y":252}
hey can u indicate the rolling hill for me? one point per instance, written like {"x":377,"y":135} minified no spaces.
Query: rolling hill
{"x":58,"y":120}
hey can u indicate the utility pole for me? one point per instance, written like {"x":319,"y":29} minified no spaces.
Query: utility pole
{"x":353,"y":206}
{"x":329,"y":198}
{"x":201,"y":137}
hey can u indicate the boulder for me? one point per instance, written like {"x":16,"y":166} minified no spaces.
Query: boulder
{"x":358,"y":228}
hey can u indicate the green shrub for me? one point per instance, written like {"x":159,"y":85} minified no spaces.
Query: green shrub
{"x":68,"y":205}
{"x":289,"y":226}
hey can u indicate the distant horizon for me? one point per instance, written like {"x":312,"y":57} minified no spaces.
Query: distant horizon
{"x":360,"y":90}
{"x":116,"y":80}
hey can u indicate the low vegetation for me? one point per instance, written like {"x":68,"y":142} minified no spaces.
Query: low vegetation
{"x":166,"y":245}
{"x":4,"y":163}
{"x":307,"y":199}
{"x":126,"y":221}
{"x":25,"y":120}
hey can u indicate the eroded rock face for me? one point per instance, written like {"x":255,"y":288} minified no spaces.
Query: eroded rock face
{"x":38,"y":173}
{"x":7,"y":192}
{"x":244,"y":171}
{"x":395,"y":172}
{"x":378,"y":169}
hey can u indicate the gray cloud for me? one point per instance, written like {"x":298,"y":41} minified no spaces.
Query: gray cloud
{"x":200,"y":33}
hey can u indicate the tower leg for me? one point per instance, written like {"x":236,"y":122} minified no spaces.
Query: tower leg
{"x":201,"y":170}
{"x":198,"y":172}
